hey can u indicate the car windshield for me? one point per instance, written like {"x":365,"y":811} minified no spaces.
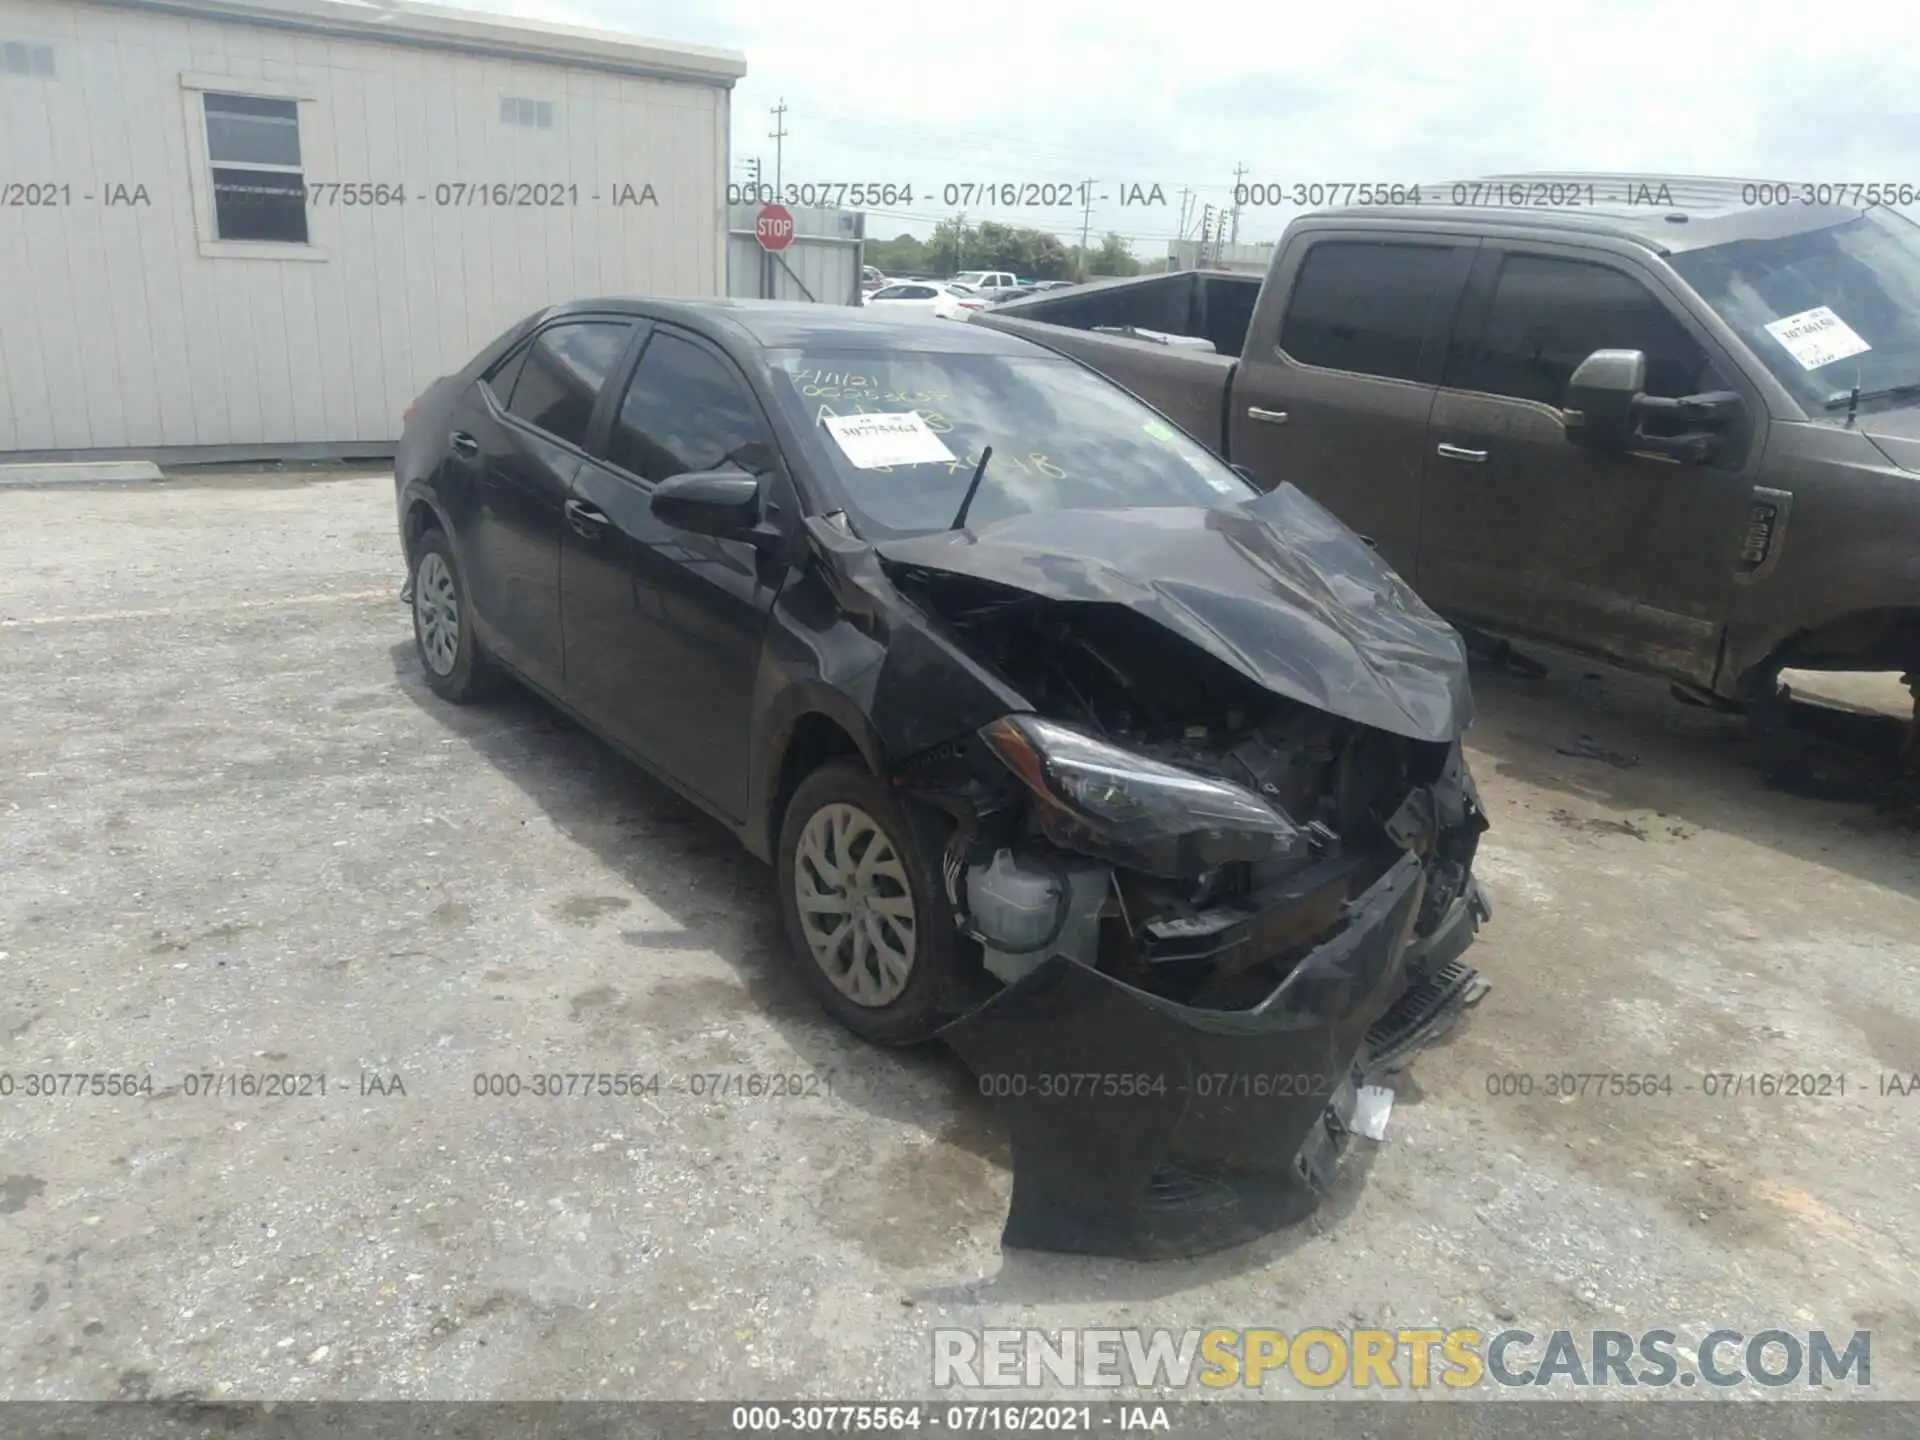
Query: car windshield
{"x":1826,"y":309}
{"x":1062,"y":438}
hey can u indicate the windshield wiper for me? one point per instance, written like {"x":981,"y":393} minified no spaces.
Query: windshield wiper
{"x":1848,"y":399}
{"x":973,"y":488}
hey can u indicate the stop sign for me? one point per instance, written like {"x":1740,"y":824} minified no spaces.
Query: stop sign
{"x":774,"y":227}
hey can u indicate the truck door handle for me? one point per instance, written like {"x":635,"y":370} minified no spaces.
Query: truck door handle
{"x":585,"y":519}
{"x":464,"y":444}
{"x":1455,"y":452}
{"x":1271,"y":417}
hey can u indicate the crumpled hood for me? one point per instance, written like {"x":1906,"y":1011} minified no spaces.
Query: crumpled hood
{"x":1278,"y":588}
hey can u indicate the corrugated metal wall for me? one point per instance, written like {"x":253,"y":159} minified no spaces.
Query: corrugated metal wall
{"x":822,"y":264}
{"x":120,"y":327}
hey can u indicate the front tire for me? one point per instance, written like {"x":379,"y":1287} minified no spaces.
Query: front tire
{"x":864,"y":906}
{"x":457,"y":669}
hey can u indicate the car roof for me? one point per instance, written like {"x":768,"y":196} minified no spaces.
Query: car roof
{"x":793,"y":324}
{"x":1669,"y":214}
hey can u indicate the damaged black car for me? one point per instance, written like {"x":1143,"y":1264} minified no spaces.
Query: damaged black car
{"x":1140,"y":788}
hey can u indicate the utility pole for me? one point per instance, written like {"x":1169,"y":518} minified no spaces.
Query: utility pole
{"x":959,"y":241}
{"x":1186,"y":201}
{"x":1086,"y":223}
{"x":777,"y":135}
{"x":1239,"y":176}
{"x":1206,"y":238}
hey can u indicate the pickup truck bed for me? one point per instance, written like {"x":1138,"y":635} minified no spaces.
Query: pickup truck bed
{"x":1192,"y":385}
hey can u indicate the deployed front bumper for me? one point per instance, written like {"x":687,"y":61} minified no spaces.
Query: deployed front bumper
{"x":1145,"y":1128}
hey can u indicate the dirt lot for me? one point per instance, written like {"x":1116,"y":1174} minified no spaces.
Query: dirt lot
{"x":237,"y":833}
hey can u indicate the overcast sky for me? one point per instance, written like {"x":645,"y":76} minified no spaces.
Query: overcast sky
{"x":1358,"y":90}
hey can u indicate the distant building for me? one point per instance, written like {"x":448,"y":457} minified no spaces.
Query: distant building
{"x":251,"y":228}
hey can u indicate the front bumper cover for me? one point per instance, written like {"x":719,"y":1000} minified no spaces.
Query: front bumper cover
{"x":1142,"y":1128}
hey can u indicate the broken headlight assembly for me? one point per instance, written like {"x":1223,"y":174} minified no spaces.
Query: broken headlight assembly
{"x":1100,"y":800}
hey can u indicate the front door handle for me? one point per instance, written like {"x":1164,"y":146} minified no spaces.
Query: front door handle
{"x":1271,"y":417}
{"x":464,"y":444}
{"x":585,"y":519}
{"x":1456,"y":452}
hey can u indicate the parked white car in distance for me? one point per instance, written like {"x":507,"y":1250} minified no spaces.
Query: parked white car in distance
{"x":987,"y":281}
{"x":930,"y":299}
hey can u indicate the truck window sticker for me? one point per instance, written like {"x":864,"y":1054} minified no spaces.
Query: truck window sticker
{"x":1817,"y":337}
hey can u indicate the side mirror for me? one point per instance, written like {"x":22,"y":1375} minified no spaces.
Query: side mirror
{"x":1607,"y":409}
{"x":1600,"y":398}
{"x":721,"y":503}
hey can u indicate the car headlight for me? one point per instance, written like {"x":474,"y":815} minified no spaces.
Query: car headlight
{"x":1102,"y":800}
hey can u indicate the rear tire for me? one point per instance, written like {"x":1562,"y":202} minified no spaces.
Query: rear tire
{"x":457,"y":669}
{"x":859,"y":894}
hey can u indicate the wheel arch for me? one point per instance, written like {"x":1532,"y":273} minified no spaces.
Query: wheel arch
{"x":421,"y":515}
{"x":814,"y":726}
{"x":1882,"y":638}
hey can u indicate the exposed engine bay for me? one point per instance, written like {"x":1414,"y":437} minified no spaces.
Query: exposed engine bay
{"x":1299,"y":812}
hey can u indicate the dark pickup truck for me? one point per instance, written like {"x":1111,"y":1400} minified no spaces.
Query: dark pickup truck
{"x":1680,"y":431}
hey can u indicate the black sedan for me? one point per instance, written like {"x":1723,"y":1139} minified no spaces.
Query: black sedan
{"x":1139,"y":787}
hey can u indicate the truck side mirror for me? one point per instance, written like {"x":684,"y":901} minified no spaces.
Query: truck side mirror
{"x":1600,"y":398}
{"x":1608,"y":409}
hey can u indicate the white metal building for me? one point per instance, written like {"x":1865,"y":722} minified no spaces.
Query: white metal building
{"x":237,"y":228}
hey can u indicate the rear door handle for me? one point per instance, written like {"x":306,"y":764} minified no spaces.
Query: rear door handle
{"x":1271,"y":417}
{"x":464,"y":444}
{"x":585,"y":519}
{"x":1456,"y":452}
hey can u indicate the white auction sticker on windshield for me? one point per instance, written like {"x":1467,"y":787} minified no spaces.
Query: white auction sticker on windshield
{"x":873,"y":442}
{"x":1817,"y":337}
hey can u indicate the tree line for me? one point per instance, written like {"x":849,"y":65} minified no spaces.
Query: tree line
{"x":1031,"y":254}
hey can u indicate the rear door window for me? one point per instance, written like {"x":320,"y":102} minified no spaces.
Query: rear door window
{"x":563,"y":373}
{"x":505,"y":373}
{"x":1367,"y":306}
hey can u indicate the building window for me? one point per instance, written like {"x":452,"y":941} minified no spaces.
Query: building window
{"x":528,"y":114}
{"x":18,"y":59}
{"x":259,"y":188}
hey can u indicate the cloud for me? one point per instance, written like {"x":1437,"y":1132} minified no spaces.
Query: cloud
{"x":1368,"y":90}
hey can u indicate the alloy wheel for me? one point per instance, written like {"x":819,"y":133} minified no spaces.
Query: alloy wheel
{"x":855,"y":903}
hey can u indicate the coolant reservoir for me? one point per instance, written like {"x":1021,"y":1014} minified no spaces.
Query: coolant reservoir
{"x":1013,"y":906}
{"x":1017,"y":906}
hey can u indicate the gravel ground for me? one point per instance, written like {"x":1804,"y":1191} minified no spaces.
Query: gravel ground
{"x":238,"y":834}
